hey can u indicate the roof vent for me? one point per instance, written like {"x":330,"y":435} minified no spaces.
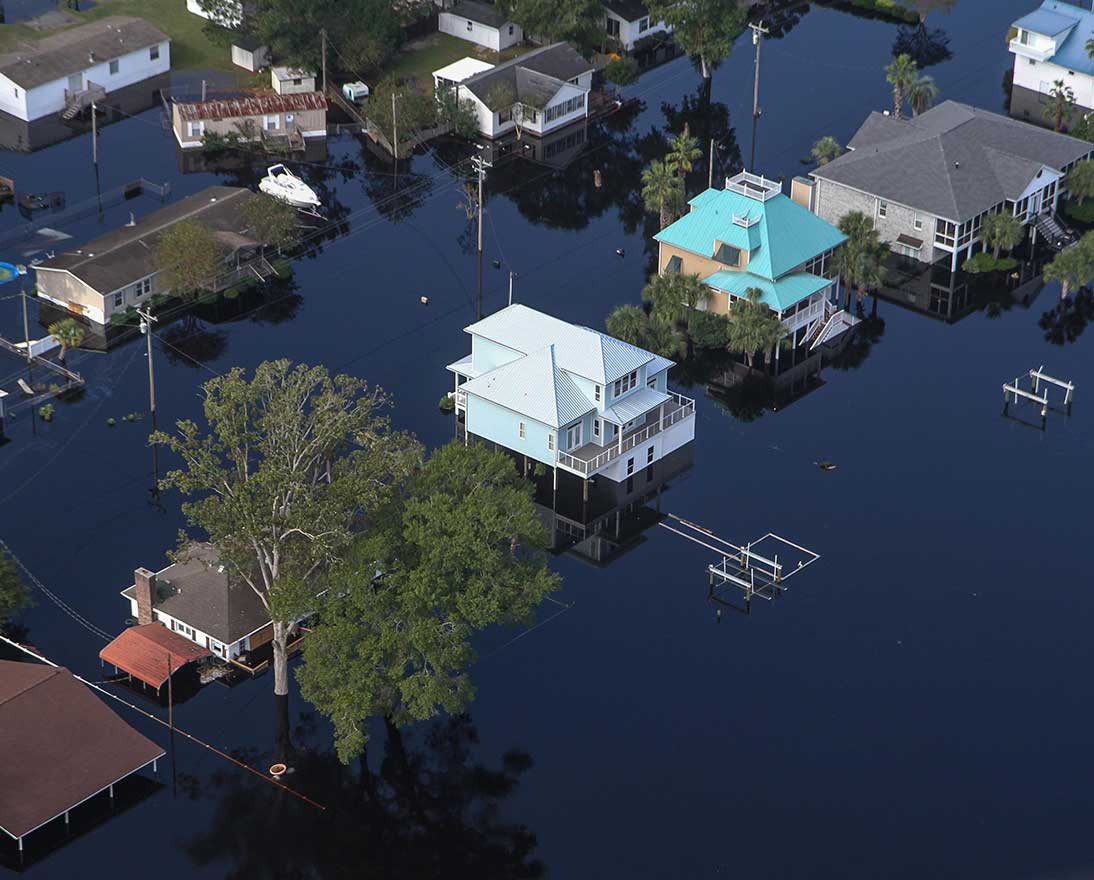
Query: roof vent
{"x":90,"y":57}
{"x":956,"y":164}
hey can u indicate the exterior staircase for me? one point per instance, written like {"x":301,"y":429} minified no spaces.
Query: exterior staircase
{"x":1051,"y":231}
{"x":834,"y":321}
{"x":78,"y":101}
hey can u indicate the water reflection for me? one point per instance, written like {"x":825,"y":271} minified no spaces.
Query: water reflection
{"x":1065,"y":322}
{"x":431,"y":810}
{"x":746,"y":394}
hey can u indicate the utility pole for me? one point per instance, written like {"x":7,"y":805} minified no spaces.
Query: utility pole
{"x":510,"y":287}
{"x":758,"y":31}
{"x":26,"y":327}
{"x":323,"y":37}
{"x":94,"y":138}
{"x":146,"y":328}
{"x":480,"y":166}
{"x":710,"y":174}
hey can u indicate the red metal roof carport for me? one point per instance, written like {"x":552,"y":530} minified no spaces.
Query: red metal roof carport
{"x":147,"y":652}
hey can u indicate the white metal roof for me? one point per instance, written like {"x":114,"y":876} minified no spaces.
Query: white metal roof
{"x":636,"y":404}
{"x":579,"y":350}
{"x":463,"y":69}
{"x":286,"y":73}
{"x":533,"y":386}
{"x":464,"y":367}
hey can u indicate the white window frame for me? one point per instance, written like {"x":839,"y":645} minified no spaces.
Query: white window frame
{"x":917,"y":222}
{"x":119,"y":298}
{"x":196,"y":129}
{"x":596,"y":393}
{"x":154,"y":52}
{"x":643,"y":24}
{"x":882,"y":208}
{"x":630,"y":466}
{"x":520,"y":430}
{"x":266,"y":120}
{"x":596,"y":428}
{"x":470,"y":25}
{"x":114,"y":66}
{"x":649,"y":455}
{"x":551,"y":441}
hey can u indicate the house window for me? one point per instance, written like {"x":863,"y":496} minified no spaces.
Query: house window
{"x":505,"y":115}
{"x":917,"y":221}
{"x":596,"y":427}
{"x":216,"y":647}
{"x":470,"y":26}
{"x":153,"y":53}
{"x":196,"y":129}
{"x":644,"y":24}
{"x":731,"y":256}
{"x":297,"y":81}
{"x":649,"y":455}
{"x":114,"y":66}
{"x":17,"y":92}
{"x":142,"y":288}
{"x":289,"y":119}
{"x":945,"y":232}
{"x":1024,"y":37}
{"x":882,"y":208}
{"x":652,"y":383}
{"x":622,"y":386}
{"x":573,"y":436}
{"x":551,"y":442}
{"x":520,"y":430}
{"x":510,"y":30}
{"x":596,"y":393}
{"x":613,"y":27}
{"x":630,"y":466}
{"x":271,"y":123}
{"x":674,"y":266}
{"x":119,"y":299}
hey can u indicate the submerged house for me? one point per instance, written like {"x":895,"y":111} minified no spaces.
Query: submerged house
{"x":119,"y":270}
{"x":481,"y":23}
{"x":569,"y":397}
{"x":1049,"y":45}
{"x":929,"y":182}
{"x":628,"y":21}
{"x":198,"y":599}
{"x":66,"y":71}
{"x":539,"y":92}
{"x":291,"y":118}
{"x":751,"y":235}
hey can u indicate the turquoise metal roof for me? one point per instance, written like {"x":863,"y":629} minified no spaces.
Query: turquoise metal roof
{"x":778,"y":295}
{"x":785,"y":236}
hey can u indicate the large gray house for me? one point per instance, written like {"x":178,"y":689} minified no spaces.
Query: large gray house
{"x":928,"y":182}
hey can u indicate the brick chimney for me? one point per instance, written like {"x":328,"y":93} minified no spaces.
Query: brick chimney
{"x":145,"y":594}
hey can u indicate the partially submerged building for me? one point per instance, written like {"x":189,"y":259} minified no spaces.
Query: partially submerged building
{"x":927,"y":183}
{"x":289,"y":119}
{"x":569,"y":397}
{"x":539,"y":92}
{"x":751,"y":235}
{"x":119,"y":270}
{"x":64,"y":72}
{"x":60,"y":746}
{"x":1050,"y":46}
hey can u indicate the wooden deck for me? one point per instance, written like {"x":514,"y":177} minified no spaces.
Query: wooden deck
{"x":262,"y":656}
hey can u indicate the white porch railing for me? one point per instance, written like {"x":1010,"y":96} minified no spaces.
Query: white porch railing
{"x":685,"y":409}
{"x":461,"y":399}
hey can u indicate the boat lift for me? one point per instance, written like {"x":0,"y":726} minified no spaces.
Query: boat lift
{"x":1037,"y":377}
{"x":760,"y":568}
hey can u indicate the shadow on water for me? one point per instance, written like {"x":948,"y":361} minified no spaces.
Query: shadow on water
{"x":430,"y":810}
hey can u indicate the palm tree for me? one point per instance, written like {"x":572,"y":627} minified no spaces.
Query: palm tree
{"x":826,"y":149}
{"x":753,"y":327}
{"x":1090,"y":47}
{"x":1001,"y":231}
{"x":1073,"y":267}
{"x":1080,"y":180}
{"x":1061,"y":104}
{"x":922,"y":93}
{"x":662,"y":190}
{"x":69,"y":333}
{"x":860,"y":259}
{"x":901,"y":73}
{"x":683,"y":151}
{"x":672,"y":292}
{"x":628,"y":323}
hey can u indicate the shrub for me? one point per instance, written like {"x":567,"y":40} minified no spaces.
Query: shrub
{"x":447,"y":403}
{"x":46,"y":412}
{"x":621,"y":71}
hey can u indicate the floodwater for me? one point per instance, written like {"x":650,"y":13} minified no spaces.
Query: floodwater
{"x":915,"y":704}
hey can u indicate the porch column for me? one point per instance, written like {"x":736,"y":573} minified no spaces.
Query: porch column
{"x":953,"y":260}
{"x":661,"y":415}
{"x":620,"y":439}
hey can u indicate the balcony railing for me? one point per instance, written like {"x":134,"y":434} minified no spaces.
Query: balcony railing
{"x":79,"y":99}
{"x":1034,"y":52}
{"x":684,"y":409}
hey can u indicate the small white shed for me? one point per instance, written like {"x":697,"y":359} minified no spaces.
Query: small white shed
{"x":291,"y":82}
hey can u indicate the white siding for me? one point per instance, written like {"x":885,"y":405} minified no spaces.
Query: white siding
{"x":629,"y":34}
{"x":492,"y":128}
{"x":194,"y":6}
{"x":1039,"y":76}
{"x":456,"y":25}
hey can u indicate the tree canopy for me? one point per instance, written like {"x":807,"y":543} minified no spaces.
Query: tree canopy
{"x":662,"y":191}
{"x":459,"y":548}
{"x":1080,"y":180}
{"x":672,"y":294}
{"x":1073,"y":267}
{"x":188,"y":258}
{"x":69,"y":333}
{"x":860,"y":260}
{"x":825,"y":150}
{"x":1060,"y":106}
{"x":1001,"y":231}
{"x":901,"y":74}
{"x":14,"y":595}
{"x":753,"y":327}
{"x":575,"y":20}
{"x":705,"y":29}
{"x":288,"y":463}
{"x":273,"y":222}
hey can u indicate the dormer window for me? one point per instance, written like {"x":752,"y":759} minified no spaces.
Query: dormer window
{"x":728,"y":255}
{"x":674,"y":266}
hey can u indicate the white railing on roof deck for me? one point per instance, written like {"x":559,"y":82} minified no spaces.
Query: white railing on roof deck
{"x":685,"y":409}
{"x":745,"y":220}
{"x":754,"y":186}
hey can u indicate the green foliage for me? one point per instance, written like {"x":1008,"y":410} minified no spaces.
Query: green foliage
{"x":901,"y":74}
{"x":753,"y":327}
{"x":1001,"y":231}
{"x":621,"y":71}
{"x":985,"y":262}
{"x":273,"y":222}
{"x":69,"y":333}
{"x":459,"y":114}
{"x":288,"y":464}
{"x":213,"y":143}
{"x":629,"y":323}
{"x":709,"y":331}
{"x":705,"y":29}
{"x":683,"y":151}
{"x":662,"y":191}
{"x":922,"y":92}
{"x":575,"y":20}
{"x":887,"y":8}
{"x":413,"y":111}
{"x":673,"y":294}
{"x":825,"y":150}
{"x":14,"y":595}
{"x":1084,"y":128}
{"x":1080,"y":180}
{"x":1079,"y":213}
{"x":500,"y":96}
{"x":1060,"y":106}
{"x":447,"y":403}
{"x":1073,"y":267}
{"x":111,"y":422}
{"x":47,"y":411}
{"x":188,"y":258}
{"x":458,"y":548}
{"x":860,"y":260}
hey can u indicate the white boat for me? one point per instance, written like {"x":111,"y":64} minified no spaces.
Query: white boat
{"x":282,"y":184}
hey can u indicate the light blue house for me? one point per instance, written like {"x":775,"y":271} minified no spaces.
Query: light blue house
{"x":751,"y":235}
{"x":1049,"y":46}
{"x":569,"y":397}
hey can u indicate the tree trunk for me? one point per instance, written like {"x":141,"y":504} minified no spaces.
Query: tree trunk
{"x":898,"y":102}
{"x":281,"y":658}
{"x":1064,"y":289}
{"x":284,"y":747}
{"x":664,"y":215}
{"x":995,"y":252}
{"x":847,"y":294}
{"x":704,"y":68}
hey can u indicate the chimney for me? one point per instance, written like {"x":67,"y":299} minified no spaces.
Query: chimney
{"x":145,"y":593}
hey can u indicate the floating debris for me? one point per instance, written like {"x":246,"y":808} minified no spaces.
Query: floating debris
{"x":424,"y":300}
{"x":619,"y":252}
{"x":826,"y":465}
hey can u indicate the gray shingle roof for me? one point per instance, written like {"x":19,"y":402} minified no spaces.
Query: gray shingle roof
{"x":56,"y":56}
{"x":200,"y":593}
{"x":125,"y":255}
{"x":628,"y":10}
{"x":484,"y":13}
{"x":953,"y":161}
{"x":558,"y":62}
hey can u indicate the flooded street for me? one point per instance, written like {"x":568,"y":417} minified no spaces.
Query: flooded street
{"x":912,"y":705}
